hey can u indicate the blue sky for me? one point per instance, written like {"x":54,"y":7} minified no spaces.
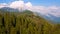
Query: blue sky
{"x":37,"y":2}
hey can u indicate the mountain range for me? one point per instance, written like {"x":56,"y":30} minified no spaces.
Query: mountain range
{"x":51,"y":18}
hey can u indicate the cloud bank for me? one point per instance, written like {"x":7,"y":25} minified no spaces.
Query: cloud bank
{"x":3,"y":5}
{"x":53,"y":10}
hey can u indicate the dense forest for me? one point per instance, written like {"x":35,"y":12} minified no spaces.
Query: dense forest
{"x":26,"y":23}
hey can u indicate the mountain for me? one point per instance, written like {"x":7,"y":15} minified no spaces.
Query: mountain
{"x":53,"y":18}
{"x":26,"y":22}
{"x":9,"y":9}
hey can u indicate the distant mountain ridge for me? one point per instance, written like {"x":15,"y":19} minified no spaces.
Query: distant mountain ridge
{"x":9,"y":9}
{"x":53,"y":18}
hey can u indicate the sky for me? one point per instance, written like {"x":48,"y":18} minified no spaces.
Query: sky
{"x":44,"y":7}
{"x":37,"y":2}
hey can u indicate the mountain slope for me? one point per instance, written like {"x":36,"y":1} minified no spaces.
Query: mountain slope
{"x":24,"y":23}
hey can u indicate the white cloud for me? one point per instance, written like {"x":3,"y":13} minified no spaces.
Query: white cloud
{"x":41,"y":9}
{"x":17,"y":4}
{"x":53,"y":7}
{"x":3,"y":5}
{"x":53,"y":10}
{"x":28,"y":5}
{"x":20,"y":5}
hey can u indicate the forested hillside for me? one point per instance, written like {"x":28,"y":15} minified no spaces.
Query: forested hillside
{"x":26,"y":23}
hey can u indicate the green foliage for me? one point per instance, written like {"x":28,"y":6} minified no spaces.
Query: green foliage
{"x":26,"y":23}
